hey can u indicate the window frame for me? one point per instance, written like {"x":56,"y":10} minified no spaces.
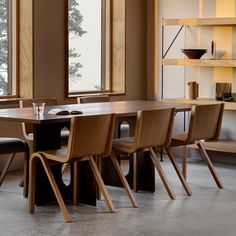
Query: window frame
{"x":112,"y":50}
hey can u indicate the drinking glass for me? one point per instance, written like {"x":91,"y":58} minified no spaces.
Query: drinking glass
{"x":38,"y":108}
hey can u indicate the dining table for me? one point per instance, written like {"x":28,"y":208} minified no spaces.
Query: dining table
{"x":47,"y":129}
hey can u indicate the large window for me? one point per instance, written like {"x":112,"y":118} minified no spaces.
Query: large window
{"x":7,"y":50}
{"x":96,"y":46}
{"x":86,"y":29}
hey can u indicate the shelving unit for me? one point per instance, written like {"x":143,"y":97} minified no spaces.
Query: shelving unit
{"x":196,"y":22}
{"x":222,"y":34}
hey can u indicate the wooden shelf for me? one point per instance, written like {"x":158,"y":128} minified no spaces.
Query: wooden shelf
{"x":227,"y":21}
{"x":228,"y":105}
{"x":199,"y":62}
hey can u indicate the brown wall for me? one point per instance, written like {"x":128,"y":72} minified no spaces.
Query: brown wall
{"x":50,"y":57}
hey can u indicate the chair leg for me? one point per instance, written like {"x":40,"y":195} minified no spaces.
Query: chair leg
{"x":161,"y":173}
{"x":55,"y":188}
{"x":56,"y":191}
{"x":32,"y":174}
{"x":6,"y":167}
{"x":101,"y":184}
{"x":181,"y":177}
{"x":184,"y":162}
{"x":98,"y":162}
{"x":209,"y":164}
{"x":123,"y":180}
{"x":25,"y":180}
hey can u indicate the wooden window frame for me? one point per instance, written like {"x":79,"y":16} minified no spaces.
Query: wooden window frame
{"x":114,"y":54}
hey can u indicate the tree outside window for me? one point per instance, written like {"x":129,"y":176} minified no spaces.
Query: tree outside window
{"x":85,"y":36}
{"x":4,"y":48}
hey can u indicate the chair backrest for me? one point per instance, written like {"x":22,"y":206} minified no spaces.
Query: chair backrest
{"x":153,"y":128}
{"x":28,"y":128}
{"x":205,"y":122}
{"x":93,"y":99}
{"x":90,"y":136}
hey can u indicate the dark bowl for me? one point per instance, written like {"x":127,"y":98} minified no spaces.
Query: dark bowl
{"x":194,"y":53}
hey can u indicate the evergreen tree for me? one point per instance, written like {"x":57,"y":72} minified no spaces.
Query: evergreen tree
{"x":3,"y":47}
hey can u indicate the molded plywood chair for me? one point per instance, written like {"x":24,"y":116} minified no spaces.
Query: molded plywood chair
{"x":93,"y":99}
{"x":205,"y":124}
{"x":89,"y":136}
{"x":28,"y":128}
{"x":14,"y":145}
{"x":153,"y":129}
{"x":124,"y":130}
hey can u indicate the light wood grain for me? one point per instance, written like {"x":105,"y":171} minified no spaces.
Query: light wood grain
{"x":223,"y":36}
{"x":201,"y":21}
{"x":118,"y":46}
{"x":200,"y":62}
{"x":26,"y":48}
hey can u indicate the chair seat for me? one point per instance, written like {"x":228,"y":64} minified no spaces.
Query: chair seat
{"x":12,"y":145}
{"x":125,"y":145}
{"x":179,"y":139}
{"x":54,"y":154}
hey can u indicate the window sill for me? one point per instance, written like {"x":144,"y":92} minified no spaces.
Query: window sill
{"x":95,"y":94}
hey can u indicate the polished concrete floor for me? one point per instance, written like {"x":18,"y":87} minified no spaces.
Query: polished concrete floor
{"x":208,"y":212}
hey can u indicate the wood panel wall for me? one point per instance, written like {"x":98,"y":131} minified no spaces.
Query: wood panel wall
{"x":26,"y":48}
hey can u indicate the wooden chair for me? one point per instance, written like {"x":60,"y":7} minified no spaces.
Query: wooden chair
{"x":89,"y":136}
{"x":27,"y":128}
{"x":15,"y":145}
{"x":205,"y":124}
{"x":124,"y":129}
{"x":153,"y":129}
{"x":93,"y":99}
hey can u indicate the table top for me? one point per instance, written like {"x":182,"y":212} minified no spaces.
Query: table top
{"x":120,"y":108}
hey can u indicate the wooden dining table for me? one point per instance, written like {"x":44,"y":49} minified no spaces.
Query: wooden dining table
{"x":47,"y":129}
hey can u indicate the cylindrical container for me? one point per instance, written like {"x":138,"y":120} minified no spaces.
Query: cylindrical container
{"x":192,"y":90}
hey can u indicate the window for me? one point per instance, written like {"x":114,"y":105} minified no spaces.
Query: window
{"x":96,"y":58}
{"x":85,"y":46}
{"x":7,"y":53}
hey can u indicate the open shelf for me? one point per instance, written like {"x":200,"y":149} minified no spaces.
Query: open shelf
{"x":230,"y":21}
{"x":228,"y":105}
{"x":200,"y":62}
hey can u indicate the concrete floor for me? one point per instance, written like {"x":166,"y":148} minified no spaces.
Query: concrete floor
{"x":209,"y":211}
